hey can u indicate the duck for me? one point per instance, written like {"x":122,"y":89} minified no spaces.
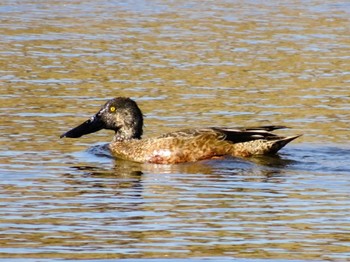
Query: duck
{"x":125,"y":118}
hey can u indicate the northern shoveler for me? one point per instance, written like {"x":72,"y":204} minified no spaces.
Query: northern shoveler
{"x":122,"y":115}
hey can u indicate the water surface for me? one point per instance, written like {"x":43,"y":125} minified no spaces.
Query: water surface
{"x":187,"y":63}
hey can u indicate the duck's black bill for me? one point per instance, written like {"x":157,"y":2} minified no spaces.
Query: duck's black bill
{"x":92,"y":125}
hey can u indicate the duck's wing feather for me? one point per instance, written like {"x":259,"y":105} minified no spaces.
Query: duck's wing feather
{"x":239,"y":135}
{"x":235,"y":135}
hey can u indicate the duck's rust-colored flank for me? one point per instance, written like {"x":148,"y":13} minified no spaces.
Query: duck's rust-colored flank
{"x":124,"y":117}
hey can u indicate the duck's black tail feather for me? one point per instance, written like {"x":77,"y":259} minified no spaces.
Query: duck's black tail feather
{"x":239,"y":135}
{"x":280,"y":143}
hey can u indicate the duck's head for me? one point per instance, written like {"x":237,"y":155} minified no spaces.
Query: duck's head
{"x":120,"y":114}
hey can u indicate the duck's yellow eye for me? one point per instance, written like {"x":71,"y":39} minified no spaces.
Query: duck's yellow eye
{"x":112,"y":108}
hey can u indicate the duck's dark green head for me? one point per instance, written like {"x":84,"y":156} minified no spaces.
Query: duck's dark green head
{"x":120,"y":114}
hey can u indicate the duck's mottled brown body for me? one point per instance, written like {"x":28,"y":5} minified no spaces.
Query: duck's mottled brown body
{"x":193,"y":145}
{"x":124,"y":117}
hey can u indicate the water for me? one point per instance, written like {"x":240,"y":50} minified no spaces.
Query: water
{"x":187,"y":63}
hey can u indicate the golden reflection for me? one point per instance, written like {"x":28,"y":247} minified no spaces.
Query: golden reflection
{"x":202,"y":63}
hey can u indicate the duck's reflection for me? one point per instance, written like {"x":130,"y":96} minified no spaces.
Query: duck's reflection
{"x":133,"y":200}
{"x":133,"y":175}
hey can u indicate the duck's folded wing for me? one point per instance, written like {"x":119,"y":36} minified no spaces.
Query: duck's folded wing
{"x":235,"y":135}
{"x":239,"y":135}
{"x":194,"y":132}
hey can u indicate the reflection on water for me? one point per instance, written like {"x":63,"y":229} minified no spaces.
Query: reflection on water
{"x":228,"y":63}
{"x":268,"y":208}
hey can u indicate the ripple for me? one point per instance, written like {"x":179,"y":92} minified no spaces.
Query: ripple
{"x":186,"y":63}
